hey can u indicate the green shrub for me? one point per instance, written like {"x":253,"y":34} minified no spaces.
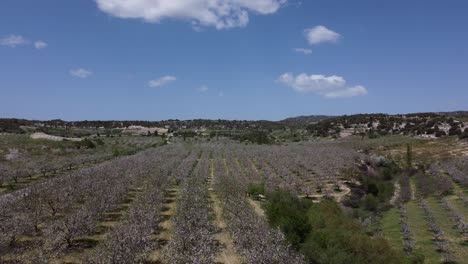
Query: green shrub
{"x":118,"y":150}
{"x":464,"y":135}
{"x":99,"y":142}
{"x":86,"y":143}
{"x":324,"y":234}
{"x":289,"y":213}
{"x":371,"y":202}
{"x":256,"y":189}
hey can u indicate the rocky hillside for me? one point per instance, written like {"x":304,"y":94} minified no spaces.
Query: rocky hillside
{"x":300,"y":121}
{"x":429,"y":125}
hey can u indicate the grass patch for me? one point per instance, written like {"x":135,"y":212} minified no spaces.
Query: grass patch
{"x":451,"y":233}
{"x":255,"y":190}
{"x":458,"y":204}
{"x":391,"y":228}
{"x":422,"y":235}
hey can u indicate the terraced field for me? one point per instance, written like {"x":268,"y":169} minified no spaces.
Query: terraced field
{"x":436,"y":219}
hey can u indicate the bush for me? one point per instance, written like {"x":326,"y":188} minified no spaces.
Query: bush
{"x":255,"y":136}
{"x":289,"y":213}
{"x":99,"y":142}
{"x":371,"y":202}
{"x":374,"y":192}
{"x":86,"y":143}
{"x":454,"y":131}
{"x":324,"y":234}
{"x":464,"y":134}
{"x":256,"y":189}
{"x":440,"y":133}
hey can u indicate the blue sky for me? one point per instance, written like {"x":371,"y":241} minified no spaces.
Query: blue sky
{"x":236,"y":59}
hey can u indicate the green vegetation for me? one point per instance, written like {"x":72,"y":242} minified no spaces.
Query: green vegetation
{"x":255,"y":190}
{"x":325,"y":234}
{"x":254,"y":136}
{"x":85,"y":143}
{"x":390,"y":225}
{"x":423,"y":237}
{"x":290,"y":214}
{"x":409,"y":156}
{"x":456,"y":242}
{"x":376,"y":188}
{"x":376,"y":125}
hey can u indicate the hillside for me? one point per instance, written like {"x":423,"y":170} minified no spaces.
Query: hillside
{"x":299,"y":121}
{"x":430,"y":125}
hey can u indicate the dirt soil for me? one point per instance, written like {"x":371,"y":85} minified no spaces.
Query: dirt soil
{"x":167,"y":225}
{"x":329,"y":190}
{"x":41,"y":135}
{"x":228,"y":254}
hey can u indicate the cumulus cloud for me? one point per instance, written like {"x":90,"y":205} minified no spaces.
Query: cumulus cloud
{"x":40,"y":44}
{"x":81,"y":73}
{"x":161,"y":81}
{"x":221,"y":14}
{"x":13,"y":41}
{"x":326,"y":86}
{"x":321,"y":34}
{"x":303,"y":51}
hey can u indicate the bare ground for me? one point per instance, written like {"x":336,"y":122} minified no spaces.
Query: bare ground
{"x":41,"y":135}
{"x":329,"y":190}
{"x":396,"y":193}
{"x":166,"y":226}
{"x":256,"y":205}
{"x":228,"y":253}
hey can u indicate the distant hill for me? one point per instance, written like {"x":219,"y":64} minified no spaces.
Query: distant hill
{"x":13,"y":125}
{"x":459,"y":114}
{"x":300,"y":121}
{"x":305,"y":120}
{"x":429,"y":125}
{"x":433,"y":124}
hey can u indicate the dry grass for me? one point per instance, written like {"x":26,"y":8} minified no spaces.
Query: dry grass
{"x":166,"y":226}
{"x":430,"y":150}
{"x":257,"y":206}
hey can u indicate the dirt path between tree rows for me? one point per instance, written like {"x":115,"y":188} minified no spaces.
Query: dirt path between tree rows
{"x":167,"y":225}
{"x":228,"y":254}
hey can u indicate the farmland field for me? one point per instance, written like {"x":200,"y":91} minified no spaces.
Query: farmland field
{"x":205,"y":201}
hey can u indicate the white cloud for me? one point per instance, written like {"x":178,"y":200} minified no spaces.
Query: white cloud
{"x":348,"y":92}
{"x":326,"y":86}
{"x":12,"y":41}
{"x":40,"y":44}
{"x":221,"y":14}
{"x":203,"y":89}
{"x":81,"y":73}
{"x":303,"y":51}
{"x":161,"y":81}
{"x":321,"y":34}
